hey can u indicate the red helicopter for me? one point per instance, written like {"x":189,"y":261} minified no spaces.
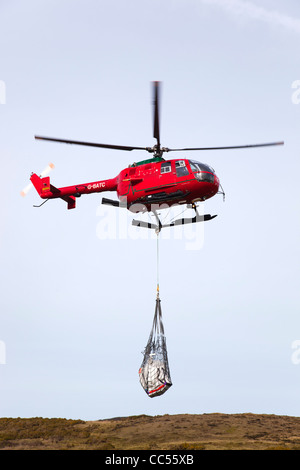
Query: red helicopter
{"x":146,"y":185}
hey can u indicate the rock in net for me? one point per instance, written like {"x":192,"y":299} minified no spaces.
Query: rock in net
{"x":154,"y":372}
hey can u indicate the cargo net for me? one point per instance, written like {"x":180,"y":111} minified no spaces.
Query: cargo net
{"x":154,"y":372}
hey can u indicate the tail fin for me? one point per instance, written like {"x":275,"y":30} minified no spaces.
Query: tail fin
{"x":40,"y":184}
{"x":43,"y":187}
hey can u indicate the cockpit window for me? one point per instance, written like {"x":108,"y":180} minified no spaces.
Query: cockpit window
{"x":197,"y":166}
{"x":181,"y":169}
{"x":165,"y":167}
{"x":202,"y":172}
{"x":194,"y":166}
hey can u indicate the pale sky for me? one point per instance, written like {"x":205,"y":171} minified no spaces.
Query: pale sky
{"x":78,"y":296}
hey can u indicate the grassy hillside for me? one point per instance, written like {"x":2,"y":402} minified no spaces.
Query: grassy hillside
{"x":167,"y":432}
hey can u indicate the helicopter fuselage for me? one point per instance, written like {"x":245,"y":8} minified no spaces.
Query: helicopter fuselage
{"x":168,"y":182}
{"x":156,"y":181}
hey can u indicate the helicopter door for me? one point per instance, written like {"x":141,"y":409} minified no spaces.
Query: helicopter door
{"x":181,"y":169}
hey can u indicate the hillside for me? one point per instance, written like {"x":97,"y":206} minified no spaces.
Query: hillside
{"x":168,"y":432}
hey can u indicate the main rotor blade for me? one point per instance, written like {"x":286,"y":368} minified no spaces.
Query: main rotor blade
{"x":156,"y":112}
{"x":90,"y":144}
{"x":224,"y":148}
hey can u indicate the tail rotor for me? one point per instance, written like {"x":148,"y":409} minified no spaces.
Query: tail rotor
{"x":45,"y":172}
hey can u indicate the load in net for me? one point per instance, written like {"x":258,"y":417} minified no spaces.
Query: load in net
{"x":154,"y":372}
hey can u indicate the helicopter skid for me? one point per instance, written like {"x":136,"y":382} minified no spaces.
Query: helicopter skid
{"x":191,"y":220}
{"x":111,"y":202}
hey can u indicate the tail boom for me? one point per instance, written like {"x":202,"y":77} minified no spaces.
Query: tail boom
{"x":69,"y":193}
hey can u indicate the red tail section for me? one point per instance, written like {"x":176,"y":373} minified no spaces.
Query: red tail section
{"x":40,"y":184}
{"x":69,"y":193}
{"x":47,"y":190}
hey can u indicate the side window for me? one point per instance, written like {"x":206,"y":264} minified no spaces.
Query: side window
{"x":181,"y":169}
{"x":165,"y":168}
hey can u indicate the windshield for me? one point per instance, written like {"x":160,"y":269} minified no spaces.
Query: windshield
{"x":197,"y":166}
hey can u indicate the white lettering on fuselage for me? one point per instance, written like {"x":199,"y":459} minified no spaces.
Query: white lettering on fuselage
{"x":96,"y":186}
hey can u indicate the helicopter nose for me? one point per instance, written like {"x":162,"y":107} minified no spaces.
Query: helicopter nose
{"x":216,"y":183}
{"x":205,"y":177}
{"x":213,"y":187}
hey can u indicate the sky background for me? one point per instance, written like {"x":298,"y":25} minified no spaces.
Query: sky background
{"x":78,"y":296}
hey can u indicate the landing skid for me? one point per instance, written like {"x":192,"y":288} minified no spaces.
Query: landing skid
{"x":191,"y":220}
{"x":111,"y":202}
{"x":158,"y":226}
